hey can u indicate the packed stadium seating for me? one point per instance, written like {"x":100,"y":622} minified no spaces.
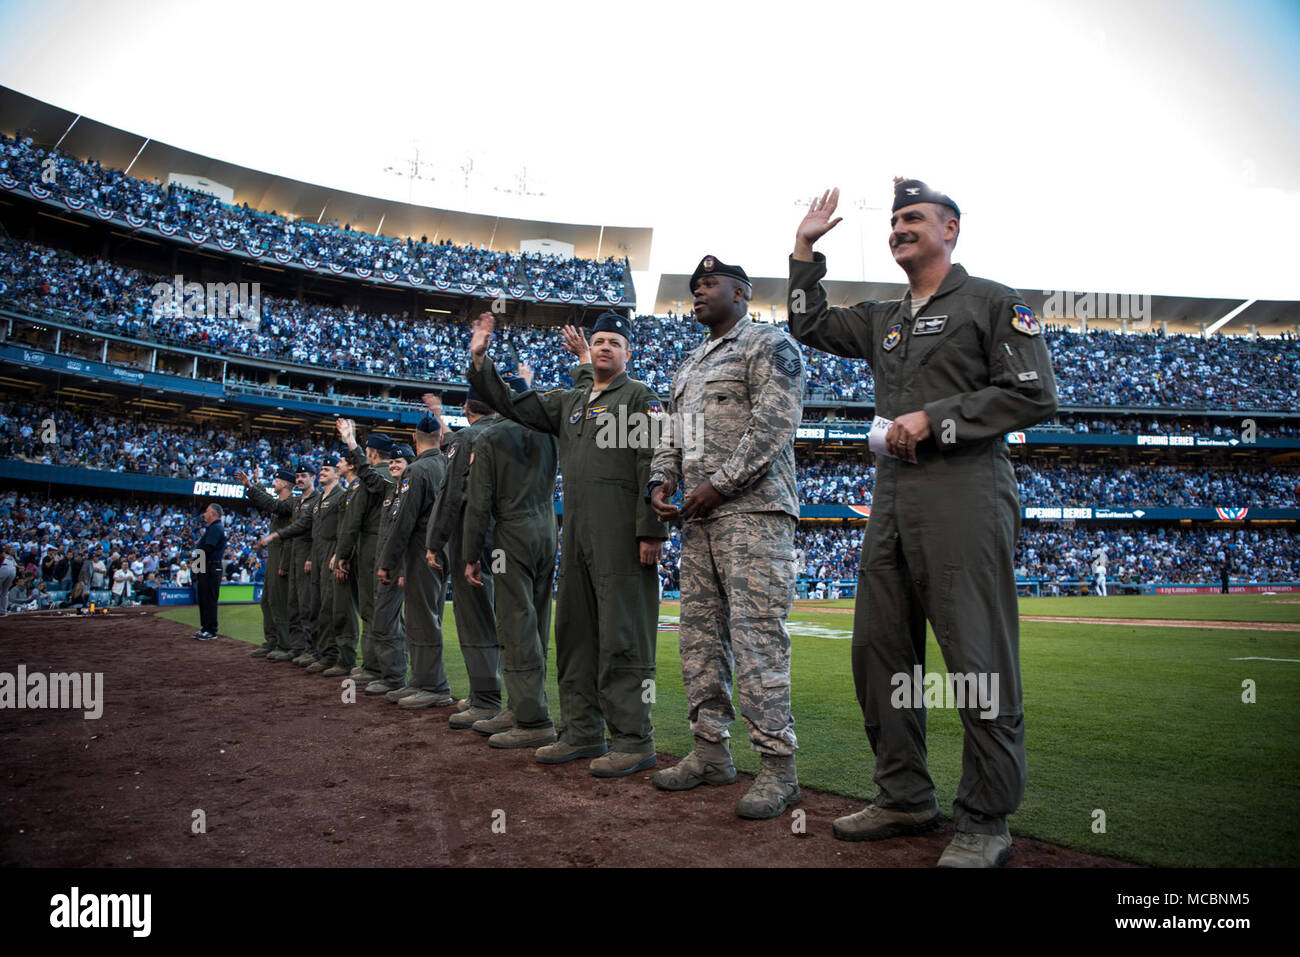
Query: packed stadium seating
{"x":181,"y":209}
{"x":1098,"y":369}
{"x":53,"y":535}
{"x":130,"y":444}
{"x":1135,"y":553}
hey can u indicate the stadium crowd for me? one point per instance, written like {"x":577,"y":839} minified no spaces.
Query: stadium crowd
{"x":98,"y":440}
{"x":101,"y":543}
{"x":1098,"y":369}
{"x":1166,"y":554}
{"x":82,"y":439}
{"x":174,"y":208}
{"x":1136,"y":554}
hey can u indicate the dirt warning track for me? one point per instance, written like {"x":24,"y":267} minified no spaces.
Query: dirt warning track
{"x":286,"y":774}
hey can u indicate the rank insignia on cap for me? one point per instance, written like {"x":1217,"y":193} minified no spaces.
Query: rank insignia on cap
{"x":1024,"y":320}
{"x":573,"y":419}
{"x":709,"y":263}
{"x":893,"y":337}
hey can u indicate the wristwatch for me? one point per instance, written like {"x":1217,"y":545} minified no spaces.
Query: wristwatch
{"x":654,"y":483}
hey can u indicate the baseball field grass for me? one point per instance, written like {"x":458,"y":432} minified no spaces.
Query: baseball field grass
{"x":1145,"y":724}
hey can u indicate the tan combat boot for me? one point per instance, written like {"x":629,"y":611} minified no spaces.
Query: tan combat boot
{"x":709,"y":763}
{"x":775,"y":789}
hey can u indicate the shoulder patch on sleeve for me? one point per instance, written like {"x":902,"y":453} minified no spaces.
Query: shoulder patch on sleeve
{"x":1024,"y":320}
{"x":786,"y":359}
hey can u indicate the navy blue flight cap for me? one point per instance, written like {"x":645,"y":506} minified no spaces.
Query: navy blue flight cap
{"x":910,"y":191}
{"x":713,"y":266}
{"x":285,"y":474}
{"x":429,"y":425}
{"x":305,"y":466}
{"x":517,"y":383}
{"x":379,"y":442}
{"x":402,"y":451}
{"x":611,"y":321}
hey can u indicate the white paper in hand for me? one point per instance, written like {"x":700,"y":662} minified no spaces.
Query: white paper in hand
{"x":876,"y":439}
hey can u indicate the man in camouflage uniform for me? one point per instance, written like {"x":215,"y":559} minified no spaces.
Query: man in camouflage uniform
{"x":403,"y":554}
{"x":511,"y":497}
{"x":275,"y":585}
{"x":389,"y":621}
{"x":358,"y":542}
{"x":607,"y":609}
{"x":958,"y":362}
{"x":736,"y":404}
{"x":476,"y":625}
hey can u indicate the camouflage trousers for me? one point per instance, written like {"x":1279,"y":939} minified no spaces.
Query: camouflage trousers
{"x":737,"y":577}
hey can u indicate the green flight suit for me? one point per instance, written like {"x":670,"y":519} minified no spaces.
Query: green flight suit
{"x":402,"y":553}
{"x":476,"y":626}
{"x":275,"y":586}
{"x":512,"y":484}
{"x":338,"y":606}
{"x":941,"y":538}
{"x":358,"y":539}
{"x":388,"y":622}
{"x":320,"y":526}
{"x":303,"y":601}
{"x":607,"y":608}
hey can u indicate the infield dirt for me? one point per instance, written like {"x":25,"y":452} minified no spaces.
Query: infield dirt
{"x":286,"y":774}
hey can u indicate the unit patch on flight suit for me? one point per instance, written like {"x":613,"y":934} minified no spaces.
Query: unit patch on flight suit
{"x":1024,"y":320}
{"x":893,"y":337}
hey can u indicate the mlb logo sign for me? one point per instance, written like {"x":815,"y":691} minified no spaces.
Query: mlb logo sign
{"x":1015,"y":438}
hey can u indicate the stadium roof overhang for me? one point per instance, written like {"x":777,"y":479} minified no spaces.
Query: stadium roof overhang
{"x":117,"y":149}
{"x":1181,"y":314}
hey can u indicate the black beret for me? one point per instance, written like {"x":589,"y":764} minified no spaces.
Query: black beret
{"x":429,"y":425}
{"x":611,"y":321}
{"x":910,"y":191}
{"x":305,"y":466}
{"x":403,"y":451}
{"x":285,"y":474}
{"x":379,"y":441}
{"x":713,"y":266}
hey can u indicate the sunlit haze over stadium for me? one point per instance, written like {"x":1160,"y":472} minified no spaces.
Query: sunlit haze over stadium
{"x":1139,"y":147}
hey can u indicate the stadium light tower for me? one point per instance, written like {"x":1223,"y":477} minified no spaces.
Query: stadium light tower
{"x":413,"y":170}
